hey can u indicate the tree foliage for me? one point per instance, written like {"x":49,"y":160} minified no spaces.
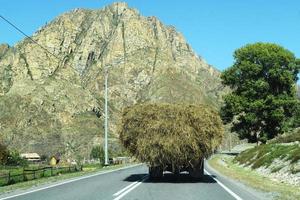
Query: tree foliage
{"x":263,"y":98}
{"x":162,"y":134}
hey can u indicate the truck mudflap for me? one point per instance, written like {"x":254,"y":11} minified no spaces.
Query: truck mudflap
{"x":197,"y":170}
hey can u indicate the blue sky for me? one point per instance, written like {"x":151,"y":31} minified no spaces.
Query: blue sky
{"x":214,"y":28}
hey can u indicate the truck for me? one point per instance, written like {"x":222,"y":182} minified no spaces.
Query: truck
{"x":171,"y":137}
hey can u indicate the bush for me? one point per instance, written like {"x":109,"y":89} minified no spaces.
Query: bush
{"x":44,"y":158}
{"x":97,"y":153}
{"x":161,"y":134}
{"x":292,"y":136}
{"x":3,"y":154}
{"x":14,"y":159}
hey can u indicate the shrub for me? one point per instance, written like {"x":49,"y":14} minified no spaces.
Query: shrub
{"x":97,"y":153}
{"x":3,"y":154}
{"x":14,"y":159}
{"x":292,"y":136}
{"x":44,"y":157}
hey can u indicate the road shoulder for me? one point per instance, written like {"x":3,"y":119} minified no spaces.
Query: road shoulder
{"x":250,"y":181}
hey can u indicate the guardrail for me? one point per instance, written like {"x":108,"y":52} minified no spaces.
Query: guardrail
{"x":31,"y":174}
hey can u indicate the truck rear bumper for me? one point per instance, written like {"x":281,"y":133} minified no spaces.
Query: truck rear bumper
{"x":195,"y":170}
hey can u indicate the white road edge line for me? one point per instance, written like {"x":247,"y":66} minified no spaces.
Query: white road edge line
{"x":224,"y":187}
{"x":69,"y":181}
{"x":127,"y":187}
{"x":131,"y":188}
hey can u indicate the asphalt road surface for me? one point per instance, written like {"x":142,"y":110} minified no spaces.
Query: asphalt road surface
{"x":133,"y":183}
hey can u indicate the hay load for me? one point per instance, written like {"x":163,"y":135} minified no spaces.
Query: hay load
{"x":171,"y":136}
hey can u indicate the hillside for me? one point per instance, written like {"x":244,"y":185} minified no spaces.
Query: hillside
{"x":52,"y":101}
{"x":279,"y":159}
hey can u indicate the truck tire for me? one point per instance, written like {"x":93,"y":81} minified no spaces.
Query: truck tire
{"x":155,"y":172}
{"x":197,"y":171}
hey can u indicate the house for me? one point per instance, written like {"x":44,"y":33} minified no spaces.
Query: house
{"x":32,"y":157}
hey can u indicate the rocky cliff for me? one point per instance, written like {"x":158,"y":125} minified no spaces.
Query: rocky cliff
{"x":51,"y":101}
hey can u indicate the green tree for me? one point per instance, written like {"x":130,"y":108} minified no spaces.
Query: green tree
{"x":263,"y":98}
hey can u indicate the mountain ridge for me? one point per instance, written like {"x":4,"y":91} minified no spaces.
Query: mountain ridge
{"x":62,"y":99}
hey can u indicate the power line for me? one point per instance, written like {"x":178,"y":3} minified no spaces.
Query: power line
{"x":44,"y":48}
{"x":27,"y":36}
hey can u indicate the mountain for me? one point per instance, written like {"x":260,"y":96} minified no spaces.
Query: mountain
{"x":52,"y":100}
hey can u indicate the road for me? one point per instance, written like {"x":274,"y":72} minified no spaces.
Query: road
{"x":133,"y":183}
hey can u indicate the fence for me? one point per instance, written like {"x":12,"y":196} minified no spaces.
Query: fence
{"x":31,"y":174}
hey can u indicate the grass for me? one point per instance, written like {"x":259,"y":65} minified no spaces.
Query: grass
{"x":264,"y":155}
{"x":12,"y":169}
{"x":87,"y":169}
{"x":253,"y":179}
{"x":14,"y":174}
{"x":292,"y":136}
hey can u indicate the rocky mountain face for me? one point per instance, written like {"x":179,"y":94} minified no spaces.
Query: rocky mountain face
{"x":52,"y":101}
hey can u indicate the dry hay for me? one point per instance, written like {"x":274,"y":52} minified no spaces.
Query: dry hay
{"x":161,"y":134}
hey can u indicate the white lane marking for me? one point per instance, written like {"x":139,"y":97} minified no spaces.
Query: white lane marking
{"x":130,"y":188}
{"x":70,"y":181}
{"x":225,"y":188}
{"x":119,"y":192}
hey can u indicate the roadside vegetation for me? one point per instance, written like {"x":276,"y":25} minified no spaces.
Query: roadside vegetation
{"x":86,"y":170}
{"x":292,"y":136}
{"x":227,"y":166}
{"x":263,"y":107}
{"x":15,"y":170}
{"x":263,"y":101}
{"x":12,"y":175}
{"x":265,"y":155}
{"x":281,"y":152}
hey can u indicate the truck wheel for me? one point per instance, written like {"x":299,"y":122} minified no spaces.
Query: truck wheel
{"x":202,"y":168}
{"x":155,"y":172}
{"x":198,"y":171}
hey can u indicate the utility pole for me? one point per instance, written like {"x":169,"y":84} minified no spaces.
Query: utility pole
{"x":106,"y":120}
{"x":106,"y":68}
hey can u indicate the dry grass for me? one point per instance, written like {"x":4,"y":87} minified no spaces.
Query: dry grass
{"x":291,"y":136}
{"x":253,"y":179}
{"x":264,"y":155}
{"x":167,"y":133}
